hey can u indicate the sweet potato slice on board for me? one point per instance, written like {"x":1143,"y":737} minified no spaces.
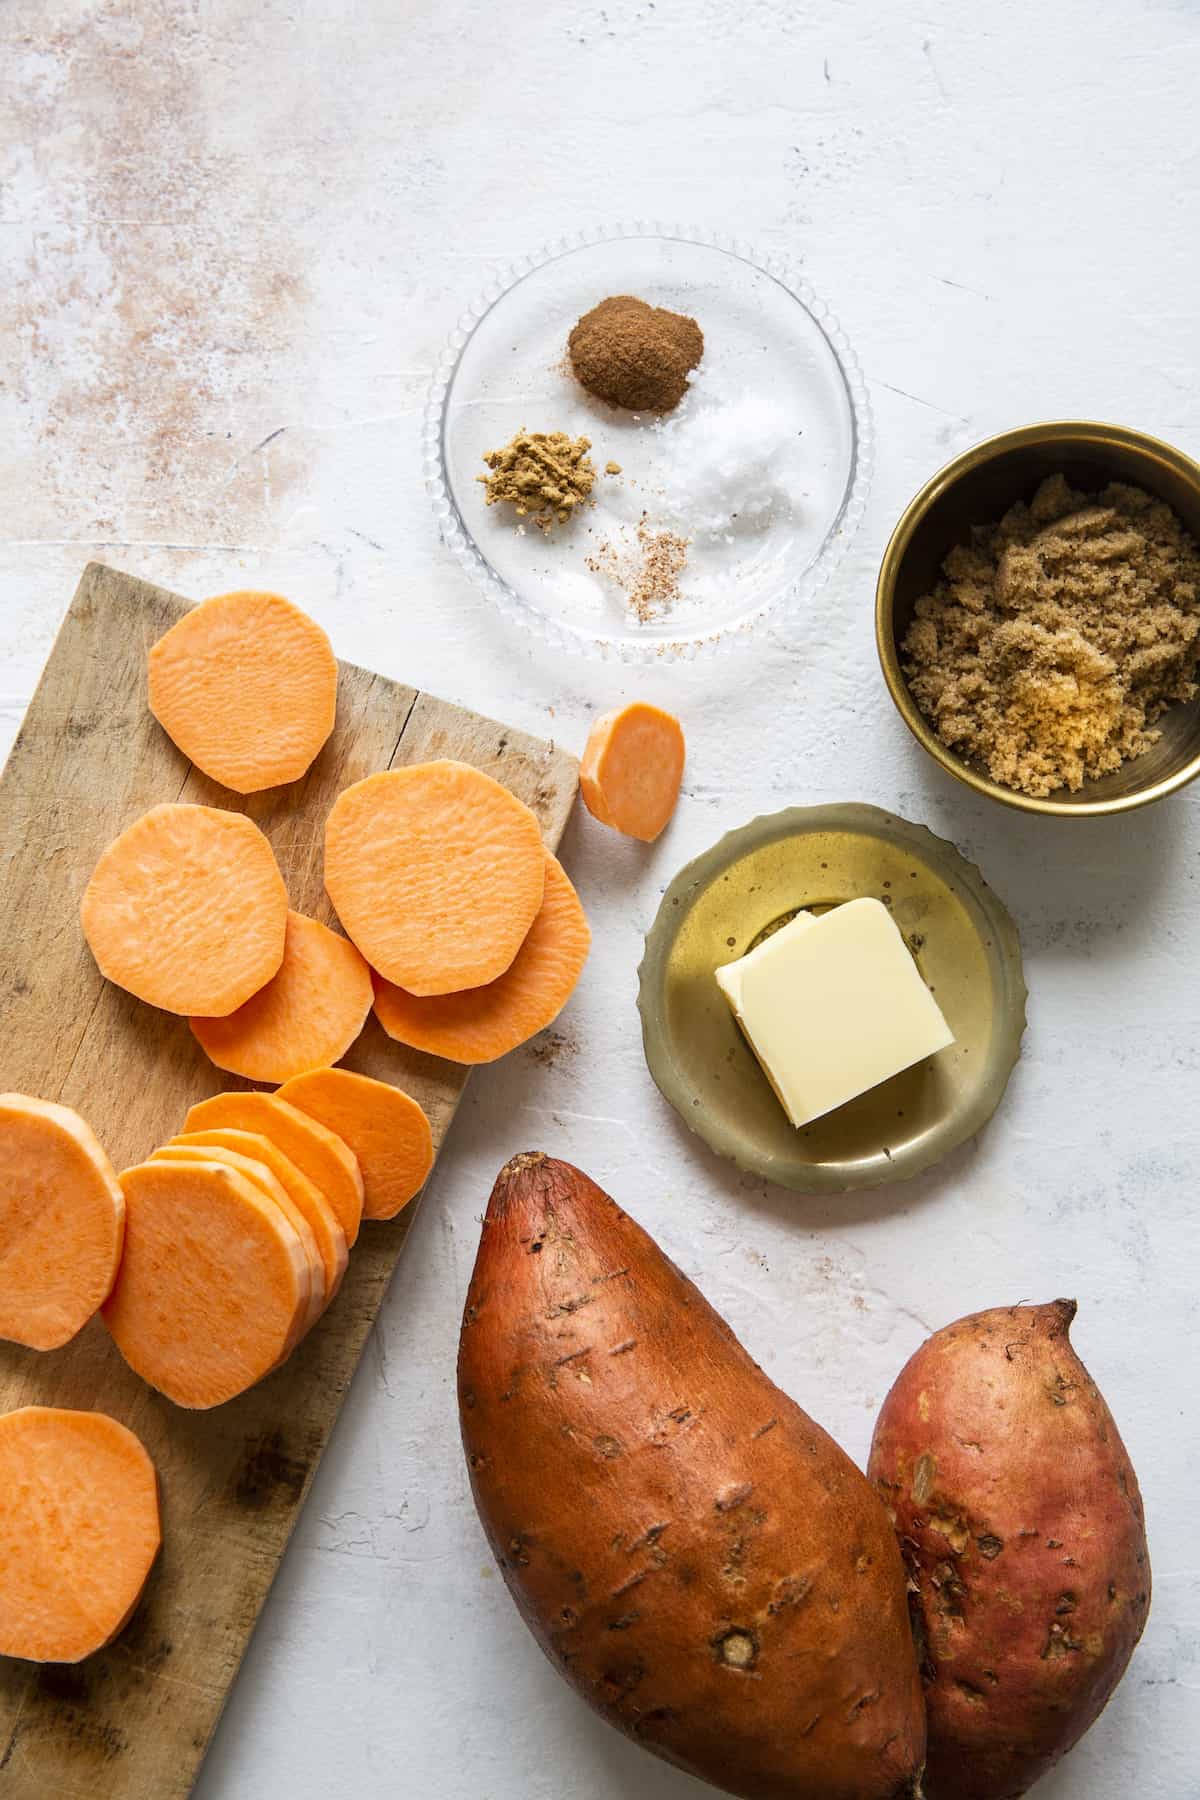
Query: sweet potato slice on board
{"x":483,"y":1023}
{"x":436,"y":872}
{"x":306,"y":1017}
{"x":214,"y":1286}
{"x":62,"y":1222}
{"x":304,"y":1194}
{"x":79,"y":1531}
{"x":318,"y":1152}
{"x":187,"y":910}
{"x":273,"y":1188}
{"x":385,"y":1128}
{"x":246,"y":686}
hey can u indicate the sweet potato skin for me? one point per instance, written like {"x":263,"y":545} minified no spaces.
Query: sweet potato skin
{"x":689,"y":1549}
{"x":1021,"y":1524}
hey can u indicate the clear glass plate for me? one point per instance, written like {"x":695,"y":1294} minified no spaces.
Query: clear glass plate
{"x":767,"y":338}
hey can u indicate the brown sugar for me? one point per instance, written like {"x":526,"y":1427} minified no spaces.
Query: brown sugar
{"x":1058,"y":636}
{"x":544,"y":475}
{"x":635,"y":355}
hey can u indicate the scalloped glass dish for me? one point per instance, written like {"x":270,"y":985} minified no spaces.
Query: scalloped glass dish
{"x":766,"y":334}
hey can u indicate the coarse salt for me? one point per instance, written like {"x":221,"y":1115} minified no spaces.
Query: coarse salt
{"x":729,"y":460}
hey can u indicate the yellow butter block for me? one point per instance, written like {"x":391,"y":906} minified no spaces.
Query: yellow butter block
{"x":832,"y":1006}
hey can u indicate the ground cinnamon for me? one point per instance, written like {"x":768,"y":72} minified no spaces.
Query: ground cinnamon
{"x":635,"y":355}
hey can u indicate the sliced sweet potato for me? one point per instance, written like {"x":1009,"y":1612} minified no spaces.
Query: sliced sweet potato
{"x":485,"y":1022}
{"x":306,"y":1017}
{"x":436,"y":872}
{"x":304,"y":1194}
{"x":631,"y":770}
{"x":187,"y":909}
{"x":79,"y":1531}
{"x":246,"y":686}
{"x":214,"y":1286}
{"x":318,"y":1152}
{"x":386,"y":1129}
{"x":273,"y":1188}
{"x":62,"y":1222}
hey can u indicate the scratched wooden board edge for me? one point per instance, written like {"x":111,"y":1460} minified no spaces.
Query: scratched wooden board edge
{"x":549,"y":776}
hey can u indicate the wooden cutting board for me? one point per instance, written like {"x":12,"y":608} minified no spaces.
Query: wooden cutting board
{"x":135,"y":1720}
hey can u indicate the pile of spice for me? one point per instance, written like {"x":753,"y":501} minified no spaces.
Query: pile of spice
{"x":634,"y":355}
{"x":647,"y":570}
{"x":1059,"y":635}
{"x":730,"y":460}
{"x":544,"y":475}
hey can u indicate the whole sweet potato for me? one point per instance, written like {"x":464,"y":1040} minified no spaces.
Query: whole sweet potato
{"x":1021,"y":1524}
{"x":696,"y":1556}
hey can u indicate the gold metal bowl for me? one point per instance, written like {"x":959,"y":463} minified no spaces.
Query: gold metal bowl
{"x":978,"y":487}
{"x":965,"y":945}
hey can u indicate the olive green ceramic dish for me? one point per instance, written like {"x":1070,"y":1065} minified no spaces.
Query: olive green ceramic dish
{"x":725,"y":901}
{"x":978,"y":487}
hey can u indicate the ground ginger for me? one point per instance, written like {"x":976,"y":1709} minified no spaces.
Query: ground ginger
{"x":544,"y":476}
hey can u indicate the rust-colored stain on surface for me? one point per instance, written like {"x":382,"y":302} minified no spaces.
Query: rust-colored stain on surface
{"x":148,"y":315}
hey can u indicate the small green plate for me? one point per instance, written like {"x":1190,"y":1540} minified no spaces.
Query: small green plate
{"x":965,"y":945}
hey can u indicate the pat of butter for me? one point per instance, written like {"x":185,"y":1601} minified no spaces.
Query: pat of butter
{"x":832,"y":1006}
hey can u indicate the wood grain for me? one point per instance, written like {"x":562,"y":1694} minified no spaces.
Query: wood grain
{"x":135,"y":1720}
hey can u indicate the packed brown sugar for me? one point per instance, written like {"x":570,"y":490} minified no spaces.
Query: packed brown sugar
{"x":1057,"y":637}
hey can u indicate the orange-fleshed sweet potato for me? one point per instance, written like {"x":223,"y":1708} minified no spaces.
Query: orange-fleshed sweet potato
{"x":246,"y":685}
{"x":187,"y":910}
{"x":690,"y":1550}
{"x":214,"y":1288}
{"x":631,"y":769}
{"x":437,"y":872}
{"x":79,"y":1532}
{"x":62,"y":1222}
{"x":306,"y":1017}
{"x":483,"y":1023}
{"x":1021,"y":1523}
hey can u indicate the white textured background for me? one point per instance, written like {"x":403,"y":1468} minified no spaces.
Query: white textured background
{"x":234,"y":234}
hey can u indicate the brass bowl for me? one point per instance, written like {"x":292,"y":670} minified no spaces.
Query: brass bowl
{"x":965,"y":945}
{"x":978,"y":487}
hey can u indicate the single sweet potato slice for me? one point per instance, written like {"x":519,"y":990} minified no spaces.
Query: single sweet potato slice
{"x":319,"y":1153}
{"x":62,"y":1222}
{"x":79,"y":1531}
{"x":436,"y":872}
{"x":485,"y":1022}
{"x":214,"y":1286}
{"x":273,"y":1188}
{"x":631,"y":770}
{"x":306,"y":1017}
{"x":246,"y":686}
{"x":187,"y":909}
{"x":386,"y":1129}
{"x":304,"y":1194}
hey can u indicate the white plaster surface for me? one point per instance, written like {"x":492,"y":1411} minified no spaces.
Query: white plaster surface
{"x":234,"y":235}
